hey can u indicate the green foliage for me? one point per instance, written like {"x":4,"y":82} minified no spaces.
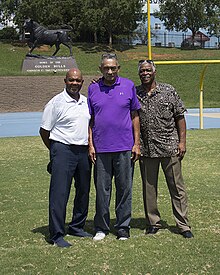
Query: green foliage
{"x":213,"y":11}
{"x":50,"y":13}
{"x":192,"y":14}
{"x":24,"y":218}
{"x":120,"y":17}
{"x":97,"y":17}
{"x":91,"y":17}
{"x":9,"y":33}
{"x":7,"y":8}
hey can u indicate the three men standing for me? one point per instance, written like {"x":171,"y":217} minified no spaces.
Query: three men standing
{"x":108,"y":129}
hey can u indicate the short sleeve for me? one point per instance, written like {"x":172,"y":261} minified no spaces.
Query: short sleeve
{"x":178,"y":105}
{"x":135,"y":105}
{"x":49,"y":117}
{"x":89,"y":101}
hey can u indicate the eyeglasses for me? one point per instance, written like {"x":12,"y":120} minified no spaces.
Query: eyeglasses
{"x":109,"y":55}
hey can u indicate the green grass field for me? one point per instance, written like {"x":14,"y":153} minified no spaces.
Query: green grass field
{"x":186,"y":78}
{"x":24,"y":219}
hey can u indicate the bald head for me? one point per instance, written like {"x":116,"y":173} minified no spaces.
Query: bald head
{"x":74,"y":71}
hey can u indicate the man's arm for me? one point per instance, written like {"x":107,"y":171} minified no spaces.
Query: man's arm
{"x":45,"y":137}
{"x":92,"y":153}
{"x":136,"y":129}
{"x":181,"y":129}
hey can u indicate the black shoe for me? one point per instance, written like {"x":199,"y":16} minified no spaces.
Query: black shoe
{"x":152,"y":230}
{"x":79,"y":233}
{"x":60,"y":242}
{"x":123,"y":234}
{"x":187,"y":234}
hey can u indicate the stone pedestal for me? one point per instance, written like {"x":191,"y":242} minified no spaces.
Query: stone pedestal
{"x":38,"y":63}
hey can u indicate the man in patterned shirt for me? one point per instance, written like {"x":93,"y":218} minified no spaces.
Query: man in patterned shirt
{"x":163,"y":137}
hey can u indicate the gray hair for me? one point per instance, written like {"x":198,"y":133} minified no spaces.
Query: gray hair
{"x":109,"y":56}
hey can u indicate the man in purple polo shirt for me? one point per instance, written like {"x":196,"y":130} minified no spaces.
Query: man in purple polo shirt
{"x":114,"y":145}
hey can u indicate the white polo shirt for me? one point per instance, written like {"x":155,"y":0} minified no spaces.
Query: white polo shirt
{"x":67,"y":119}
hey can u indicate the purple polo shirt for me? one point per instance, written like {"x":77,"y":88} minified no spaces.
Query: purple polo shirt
{"x":111,"y":107}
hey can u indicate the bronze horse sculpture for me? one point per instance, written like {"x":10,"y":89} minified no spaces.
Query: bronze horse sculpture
{"x":40,"y":35}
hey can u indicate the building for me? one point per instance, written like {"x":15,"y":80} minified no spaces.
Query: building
{"x":160,"y":37}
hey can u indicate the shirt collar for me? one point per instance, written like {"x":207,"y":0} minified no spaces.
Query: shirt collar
{"x":141,"y":92}
{"x":68,"y":98}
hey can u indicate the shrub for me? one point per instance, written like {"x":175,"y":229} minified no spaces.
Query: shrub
{"x":9,"y":33}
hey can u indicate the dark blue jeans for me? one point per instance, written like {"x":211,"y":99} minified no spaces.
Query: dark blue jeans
{"x":119,"y":165}
{"x":68,"y":162}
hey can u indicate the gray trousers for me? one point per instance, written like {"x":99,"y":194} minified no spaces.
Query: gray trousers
{"x":172,"y":170}
{"x":119,"y":165}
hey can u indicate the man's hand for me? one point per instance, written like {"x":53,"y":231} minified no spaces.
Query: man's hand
{"x":95,"y":80}
{"x":92,"y":154}
{"x":136,"y":153}
{"x":181,"y":150}
{"x":181,"y":129}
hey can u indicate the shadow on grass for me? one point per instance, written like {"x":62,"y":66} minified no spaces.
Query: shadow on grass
{"x":141,"y":224}
{"x":137,"y":223}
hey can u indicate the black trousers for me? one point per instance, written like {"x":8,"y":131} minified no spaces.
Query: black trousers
{"x":68,"y":162}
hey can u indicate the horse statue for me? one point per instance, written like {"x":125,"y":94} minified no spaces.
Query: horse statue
{"x":40,"y":35}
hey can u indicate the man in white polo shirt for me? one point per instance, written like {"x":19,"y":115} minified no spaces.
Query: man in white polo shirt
{"x":64,"y":131}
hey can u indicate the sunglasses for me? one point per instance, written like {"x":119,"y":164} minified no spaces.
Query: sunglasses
{"x":109,"y":55}
{"x":145,"y":61}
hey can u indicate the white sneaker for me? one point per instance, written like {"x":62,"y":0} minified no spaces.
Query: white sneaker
{"x":123,"y":239}
{"x":99,"y":236}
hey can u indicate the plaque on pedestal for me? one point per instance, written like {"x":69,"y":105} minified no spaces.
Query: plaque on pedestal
{"x":38,"y":63}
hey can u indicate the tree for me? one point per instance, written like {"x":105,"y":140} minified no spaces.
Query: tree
{"x":52,"y":14}
{"x":7,"y":9}
{"x":109,"y":17}
{"x":213,"y":12}
{"x":91,"y":17}
{"x":187,"y":14}
{"x":120,"y":16}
